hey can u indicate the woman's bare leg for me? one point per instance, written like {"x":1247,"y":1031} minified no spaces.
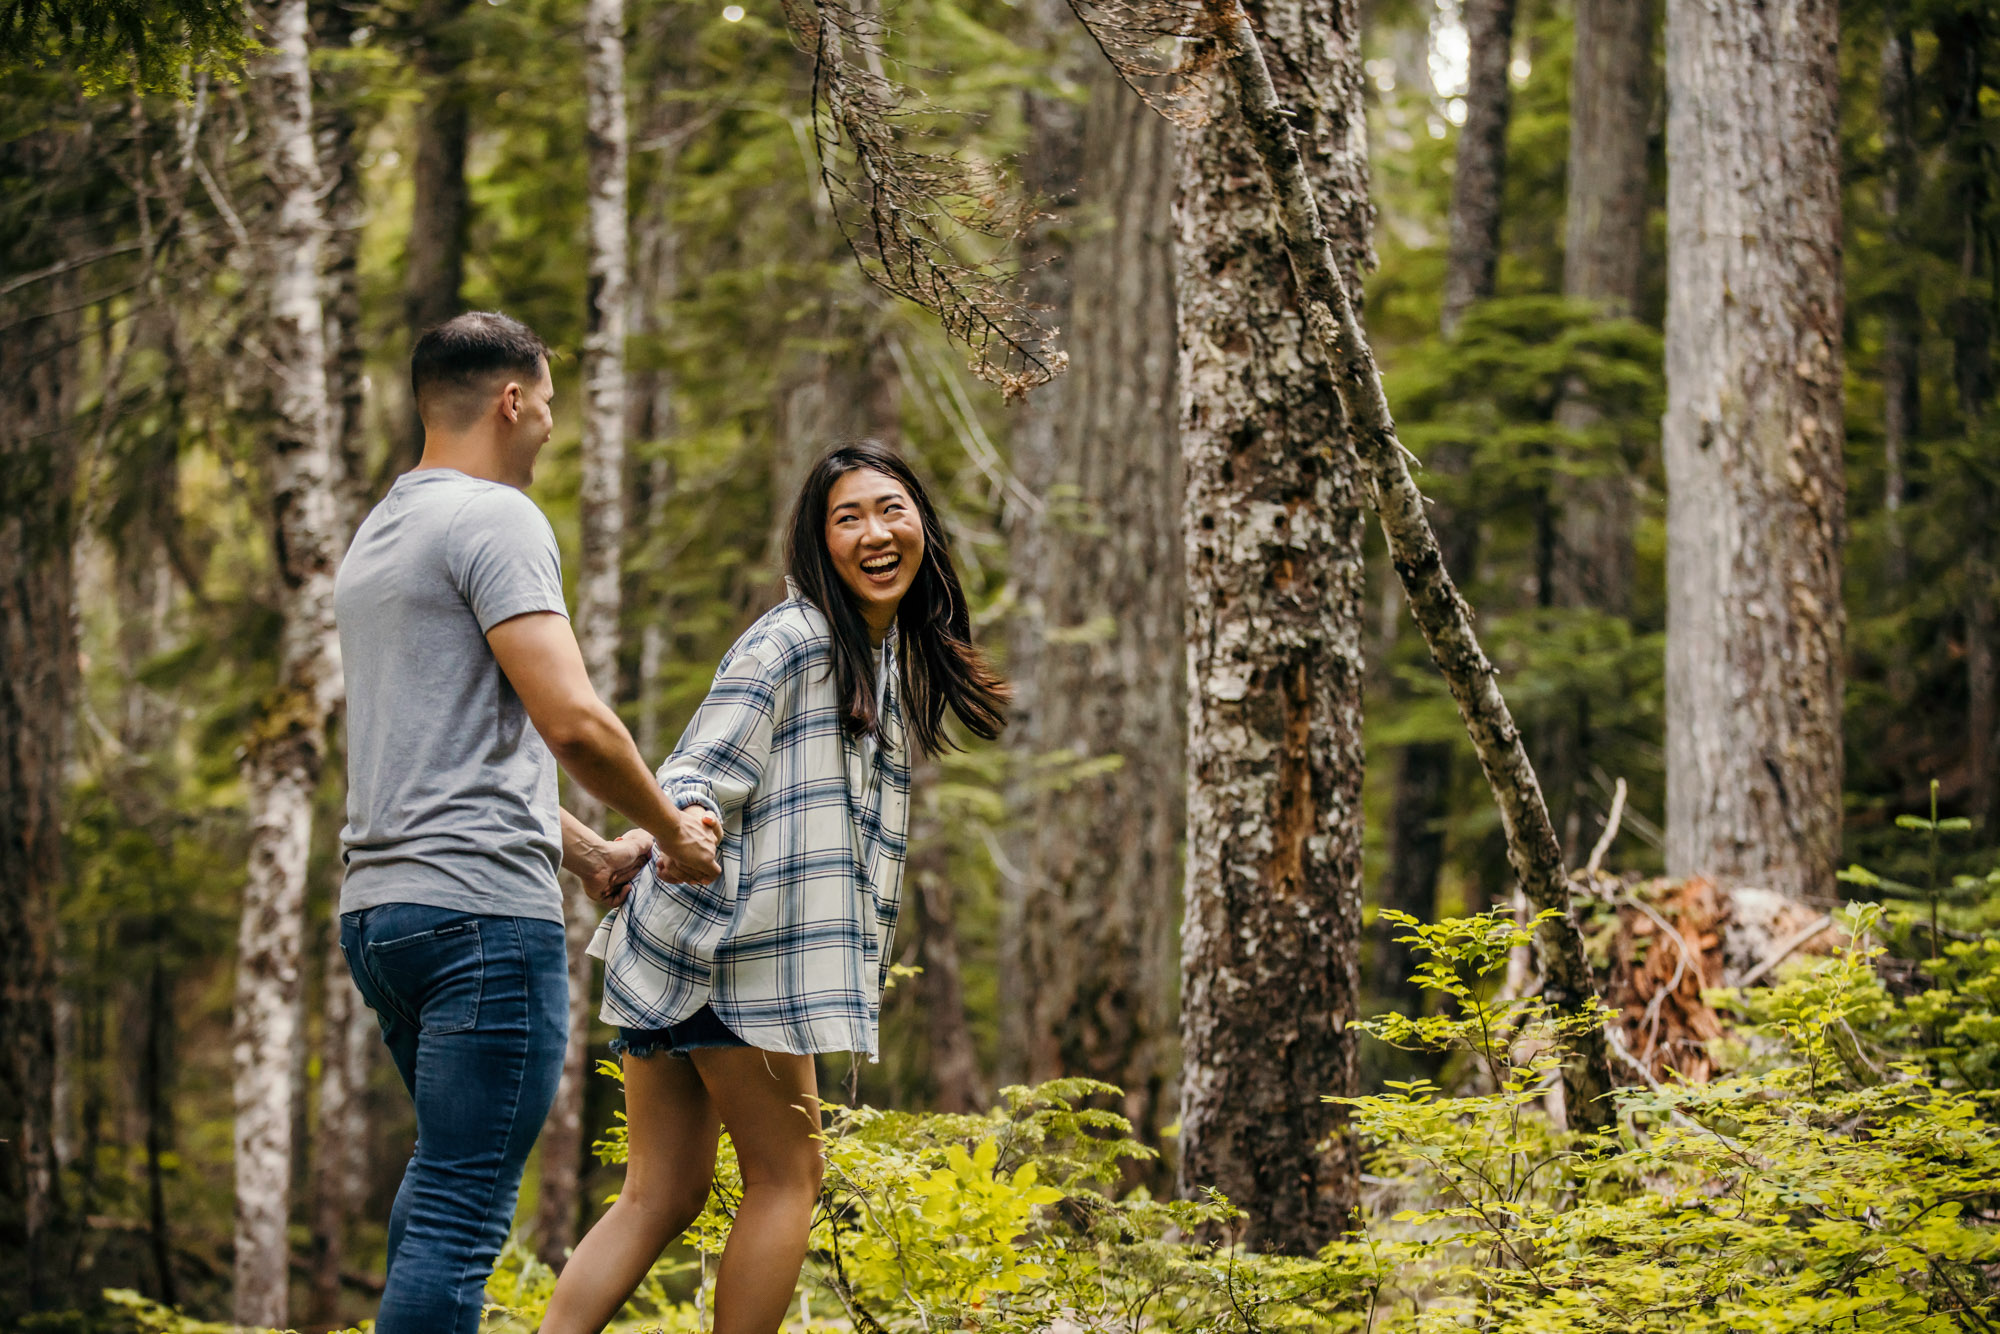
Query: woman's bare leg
{"x":667,"y":1175}
{"x":769,"y":1103}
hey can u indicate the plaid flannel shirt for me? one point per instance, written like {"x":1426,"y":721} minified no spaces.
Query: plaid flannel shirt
{"x":790,"y":944}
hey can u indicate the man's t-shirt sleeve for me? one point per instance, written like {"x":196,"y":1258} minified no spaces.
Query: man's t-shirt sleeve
{"x":504,"y":559}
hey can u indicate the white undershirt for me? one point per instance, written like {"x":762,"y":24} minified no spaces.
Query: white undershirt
{"x":881,"y":707}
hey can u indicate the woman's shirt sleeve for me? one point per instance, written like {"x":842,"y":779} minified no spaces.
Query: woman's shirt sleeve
{"x":722,"y":756}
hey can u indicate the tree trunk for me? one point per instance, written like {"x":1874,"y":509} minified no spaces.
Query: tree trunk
{"x":1051,"y":172}
{"x":441,"y":207}
{"x":1604,"y":254}
{"x":1962,"y":38}
{"x":1439,"y":611}
{"x":287,"y":748}
{"x":348,"y":1033}
{"x":1591,"y":556}
{"x":1479,"y":183}
{"x":598,"y":584}
{"x":1103,"y":866}
{"x":37,"y":641}
{"x":1902,"y":328}
{"x":1274,"y":570}
{"x":1423,"y":773}
{"x":954,"y":1062}
{"x":1752,"y":438}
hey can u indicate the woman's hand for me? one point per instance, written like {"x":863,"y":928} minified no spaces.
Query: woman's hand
{"x":691,"y":859}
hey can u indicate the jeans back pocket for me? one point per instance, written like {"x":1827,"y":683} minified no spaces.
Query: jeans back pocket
{"x":434,"y":977}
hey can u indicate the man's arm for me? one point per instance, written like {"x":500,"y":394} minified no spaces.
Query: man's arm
{"x":538,"y":653}
{"x":607,"y":867}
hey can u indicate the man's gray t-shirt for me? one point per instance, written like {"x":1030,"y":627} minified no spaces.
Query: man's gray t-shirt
{"x":451,"y":794}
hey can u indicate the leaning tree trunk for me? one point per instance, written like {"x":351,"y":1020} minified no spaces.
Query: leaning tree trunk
{"x":1103,"y":864}
{"x":1752,"y":438}
{"x":1591,"y":563}
{"x":1274,"y":579}
{"x":287,"y":746}
{"x":1478,"y":184}
{"x":441,"y":205}
{"x":1422,"y":800}
{"x":598,"y":585}
{"x":1440,"y":613}
{"x":37,"y":641}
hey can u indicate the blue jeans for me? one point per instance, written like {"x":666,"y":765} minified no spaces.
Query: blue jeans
{"x":475,"y":1012}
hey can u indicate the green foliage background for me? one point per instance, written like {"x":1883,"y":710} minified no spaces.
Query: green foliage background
{"x":722,"y":162}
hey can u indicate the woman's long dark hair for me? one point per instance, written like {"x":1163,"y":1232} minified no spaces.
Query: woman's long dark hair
{"x":940,"y":665}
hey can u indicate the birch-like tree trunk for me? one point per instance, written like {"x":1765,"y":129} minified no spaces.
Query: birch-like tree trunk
{"x":1272,"y":523}
{"x":287,"y":747}
{"x":38,"y":461}
{"x":598,"y":591}
{"x":441,"y":205}
{"x":1478,"y":184}
{"x":1103,"y":866}
{"x":1329,"y":313}
{"x":348,"y":1034}
{"x":1752,"y":437}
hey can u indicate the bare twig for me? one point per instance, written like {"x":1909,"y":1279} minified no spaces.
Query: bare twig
{"x":1785,"y":949}
{"x":1611,"y":824}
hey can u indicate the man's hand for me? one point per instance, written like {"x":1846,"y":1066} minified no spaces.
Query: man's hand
{"x":690,"y":859}
{"x":606,"y":869}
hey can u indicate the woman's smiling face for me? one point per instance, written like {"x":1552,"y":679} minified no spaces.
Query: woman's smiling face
{"x":876,"y":538}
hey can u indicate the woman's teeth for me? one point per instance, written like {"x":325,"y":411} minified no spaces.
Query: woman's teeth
{"x":881,"y":564}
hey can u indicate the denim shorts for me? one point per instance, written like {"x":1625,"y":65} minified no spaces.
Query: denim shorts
{"x":703,"y":1028}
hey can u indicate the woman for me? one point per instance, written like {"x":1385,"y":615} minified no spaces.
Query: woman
{"x":722,"y":993}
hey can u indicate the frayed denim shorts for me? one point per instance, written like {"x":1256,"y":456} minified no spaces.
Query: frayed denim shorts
{"x":703,"y":1028}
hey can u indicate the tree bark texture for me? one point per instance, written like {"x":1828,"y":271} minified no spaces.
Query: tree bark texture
{"x":1752,"y":438}
{"x":284,"y":755}
{"x":441,"y":208}
{"x":1479,"y":181}
{"x":1051,"y":174}
{"x":955,"y":1081}
{"x":1604,"y":254}
{"x":1273,"y":531}
{"x":1103,"y":864}
{"x":1439,"y":611}
{"x":1902,"y":329}
{"x":1610,"y":106}
{"x":348,"y":1034}
{"x":38,"y":644}
{"x":598,"y":589}
{"x":1591,"y":559}
{"x":1962,"y":37}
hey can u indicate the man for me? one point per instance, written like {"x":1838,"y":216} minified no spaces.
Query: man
{"x":465,"y":688}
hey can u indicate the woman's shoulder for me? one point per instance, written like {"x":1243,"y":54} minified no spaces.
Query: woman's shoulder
{"x":788,"y":638}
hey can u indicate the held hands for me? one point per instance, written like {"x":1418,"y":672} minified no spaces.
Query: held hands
{"x":690,"y":858}
{"x":608,"y":876}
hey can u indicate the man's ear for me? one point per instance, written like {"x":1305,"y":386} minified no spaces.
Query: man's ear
{"x":510,"y":401}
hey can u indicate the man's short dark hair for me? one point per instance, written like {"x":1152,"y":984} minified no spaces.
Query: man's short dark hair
{"x":468,"y":352}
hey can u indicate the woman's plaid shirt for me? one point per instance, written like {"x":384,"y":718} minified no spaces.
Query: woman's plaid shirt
{"x":791,"y":942}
